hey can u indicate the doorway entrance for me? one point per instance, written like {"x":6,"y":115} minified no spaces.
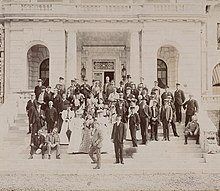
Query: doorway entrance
{"x":111,"y":76}
{"x":103,"y":68}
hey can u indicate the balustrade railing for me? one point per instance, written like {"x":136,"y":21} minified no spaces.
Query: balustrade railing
{"x":211,"y":102}
{"x":66,"y":7}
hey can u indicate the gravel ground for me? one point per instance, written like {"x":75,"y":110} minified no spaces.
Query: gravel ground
{"x":110,"y":182}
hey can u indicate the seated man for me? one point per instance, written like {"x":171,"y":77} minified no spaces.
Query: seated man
{"x":192,"y":129}
{"x":38,"y":142}
{"x":53,"y":142}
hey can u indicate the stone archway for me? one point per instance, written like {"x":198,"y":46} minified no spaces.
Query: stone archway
{"x":36,"y":55}
{"x":170,"y":56}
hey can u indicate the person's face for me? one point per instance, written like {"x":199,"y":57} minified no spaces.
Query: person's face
{"x":144,"y":92}
{"x":43,"y":90}
{"x":114,"y":89}
{"x":32,"y":97}
{"x":155,"y":84}
{"x":154,"y":104}
{"x":48,"y":89}
{"x":61,"y":81}
{"x":64,"y":96}
{"x":166,"y":89}
{"x":140,"y":89}
{"x":107,"y":79}
{"x":177,"y":87}
{"x":50,"y":104}
{"x":118,"y":118}
{"x":40,"y":83}
{"x":133,"y":86}
{"x":128,"y":91}
{"x":132,"y":109}
{"x":112,"y":83}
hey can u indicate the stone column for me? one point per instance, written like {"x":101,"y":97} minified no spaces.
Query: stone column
{"x":134,"y":57}
{"x":71,"y":72}
{"x":149,"y":59}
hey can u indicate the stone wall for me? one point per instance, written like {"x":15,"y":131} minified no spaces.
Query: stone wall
{"x":36,"y":55}
{"x":214,"y":115}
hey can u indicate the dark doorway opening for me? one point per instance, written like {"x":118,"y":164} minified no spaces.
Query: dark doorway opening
{"x":111,"y":76}
{"x":44,"y":72}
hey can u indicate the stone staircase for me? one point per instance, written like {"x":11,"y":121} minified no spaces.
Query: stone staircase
{"x":157,"y":155}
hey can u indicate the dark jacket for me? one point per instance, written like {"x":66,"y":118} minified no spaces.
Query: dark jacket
{"x":58,"y":103}
{"x":123,"y":110}
{"x":155,"y":115}
{"x":134,"y":120}
{"x":191,"y":107}
{"x":37,"y":91}
{"x":144,"y":111}
{"x":118,"y":133}
{"x":37,"y":141}
{"x":51,"y":115}
{"x":29,"y":105}
{"x":179,"y":97}
{"x":166,"y":114}
{"x":164,"y":96}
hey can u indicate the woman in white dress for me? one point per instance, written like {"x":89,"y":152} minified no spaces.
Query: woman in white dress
{"x":76,"y":136}
{"x":67,"y":116}
{"x":86,"y":134}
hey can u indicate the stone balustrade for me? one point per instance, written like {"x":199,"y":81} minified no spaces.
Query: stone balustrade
{"x":208,"y":133}
{"x":68,"y":8}
{"x":211,"y":102}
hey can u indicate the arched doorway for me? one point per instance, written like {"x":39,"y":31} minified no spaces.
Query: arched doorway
{"x":216,"y":79}
{"x":44,"y":72}
{"x":38,"y":65}
{"x":167,"y":61}
{"x":161,"y":73}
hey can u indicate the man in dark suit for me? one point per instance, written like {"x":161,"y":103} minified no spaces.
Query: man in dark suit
{"x":166,"y":93}
{"x":38,"y":88}
{"x":134,"y":122}
{"x":31,"y":103}
{"x":43,"y":98}
{"x":145,"y":115}
{"x":128,"y":83}
{"x":60,"y":86}
{"x":122,"y":108}
{"x":38,"y":142}
{"x":96,"y":145}
{"x":85,"y":90}
{"x":154,"y":120}
{"x":49,"y":95}
{"x":179,"y":99}
{"x":37,"y":119}
{"x":58,"y":104}
{"x":118,"y":136}
{"x":191,"y":107}
{"x":53,"y":142}
{"x":51,"y":117}
{"x":166,"y":118}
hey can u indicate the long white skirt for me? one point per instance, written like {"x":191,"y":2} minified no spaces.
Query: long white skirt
{"x":76,"y":136}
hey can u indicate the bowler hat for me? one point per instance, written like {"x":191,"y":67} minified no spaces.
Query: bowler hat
{"x":61,"y":78}
{"x":177,"y":84}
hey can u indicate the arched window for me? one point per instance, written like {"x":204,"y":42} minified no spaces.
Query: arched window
{"x":161,"y":73}
{"x":44,"y":72}
{"x":216,"y":75}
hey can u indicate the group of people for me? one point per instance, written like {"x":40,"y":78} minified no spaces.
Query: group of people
{"x":87,"y":117}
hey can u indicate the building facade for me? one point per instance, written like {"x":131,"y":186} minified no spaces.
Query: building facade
{"x":166,"y":40}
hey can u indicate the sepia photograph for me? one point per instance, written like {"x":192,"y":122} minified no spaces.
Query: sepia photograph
{"x":109,"y":95}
